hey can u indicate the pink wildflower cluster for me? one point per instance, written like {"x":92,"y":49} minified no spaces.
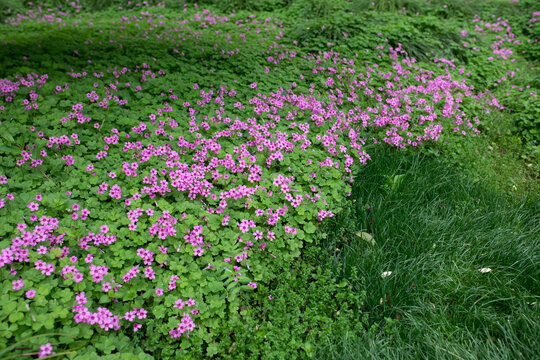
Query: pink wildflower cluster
{"x":534,"y":18}
{"x":9,"y":89}
{"x":96,"y":240}
{"x":46,"y":269}
{"x":103,"y":317}
{"x":164,"y":226}
{"x":172,"y":282}
{"x":70,"y":269}
{"x":132,"y":273}
{"x":58,"y":88}
{"x":186,"y":326}
{"x":138,"y":313}
{"x":146,"y":255}
{"x":115,"y":192}
{"x":324,"y":214}
{"x":98,"y":272}
{"x":245,"y":225}
{"x":195,"y":239}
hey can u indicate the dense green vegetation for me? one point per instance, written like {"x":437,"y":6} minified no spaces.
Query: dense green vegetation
{"x":269,"y":179}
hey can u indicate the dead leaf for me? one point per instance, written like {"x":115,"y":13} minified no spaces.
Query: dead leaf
{"x":366,"y":237}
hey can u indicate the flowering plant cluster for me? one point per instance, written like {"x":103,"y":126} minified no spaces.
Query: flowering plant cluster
{"x":151,"y":202}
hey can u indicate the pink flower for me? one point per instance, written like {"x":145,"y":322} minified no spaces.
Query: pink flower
{"x":179,"y":304}
{"x":243,"y":226}
{"x":18,"y":284}
{"x":30,"y":293}
{"x":33,"y":206}
{"x":45,"y":350}
{"x":130,"y":315}
{"x":141,"y":313}
{"x":159,"y":291}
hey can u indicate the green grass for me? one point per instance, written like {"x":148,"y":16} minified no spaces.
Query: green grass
{"x":434,"y":227}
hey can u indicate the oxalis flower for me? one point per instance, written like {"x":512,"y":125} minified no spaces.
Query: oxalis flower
{"x":45,"y":350}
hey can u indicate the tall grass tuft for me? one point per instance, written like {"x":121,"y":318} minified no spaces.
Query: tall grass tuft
{"x":463,"y":262}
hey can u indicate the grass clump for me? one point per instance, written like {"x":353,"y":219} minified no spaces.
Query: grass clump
{"x":464,"y":280}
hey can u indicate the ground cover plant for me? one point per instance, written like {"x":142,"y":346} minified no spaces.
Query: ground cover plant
{"x":174,"y":177}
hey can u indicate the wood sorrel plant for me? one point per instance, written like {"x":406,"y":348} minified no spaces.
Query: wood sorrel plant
{"x":135,"y":203}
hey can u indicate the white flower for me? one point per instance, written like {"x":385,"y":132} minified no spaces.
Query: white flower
{"x":386,"y":274}
{"x":484,"y":270}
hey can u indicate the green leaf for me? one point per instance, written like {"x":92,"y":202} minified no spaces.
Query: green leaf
{"x":54,"y":253}
{"x":310,"y":228}
{"x":212,"y":349}
{"x":216,"y":286}
{"x":49,"y":323}
{"x":161,"y":258}
{"x":15,"y":317}
{"x":159,"y":311}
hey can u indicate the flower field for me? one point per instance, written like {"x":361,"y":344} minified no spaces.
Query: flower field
{"x":172,"y":174}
